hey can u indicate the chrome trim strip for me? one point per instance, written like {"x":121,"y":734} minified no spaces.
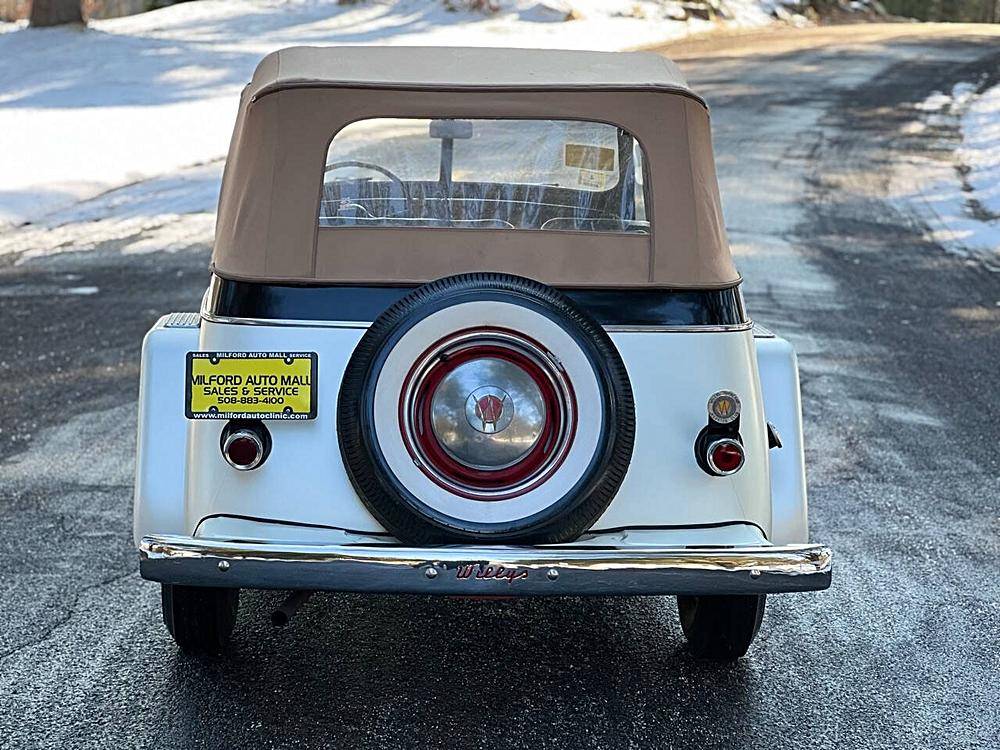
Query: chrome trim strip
{"x":680,"y":329}
{"x":514,"y":570}
{"x":213,"y":318}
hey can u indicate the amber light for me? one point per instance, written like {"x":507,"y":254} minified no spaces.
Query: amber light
{"x":726,"y":456}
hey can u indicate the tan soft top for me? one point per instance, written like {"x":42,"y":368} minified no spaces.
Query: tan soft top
{"x":463,"y":68}
{"x":267,"y":227}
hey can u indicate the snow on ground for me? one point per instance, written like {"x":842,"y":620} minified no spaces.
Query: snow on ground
{"x":168,"y":213}
{"x":980,"y":153}
{"x":83,"y":112}
{"x":955,"y":190}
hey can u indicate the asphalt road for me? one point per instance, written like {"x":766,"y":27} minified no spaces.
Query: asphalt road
{"x":899,"y":344}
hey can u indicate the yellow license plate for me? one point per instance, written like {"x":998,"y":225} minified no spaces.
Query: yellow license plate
{"x":250,"y":385}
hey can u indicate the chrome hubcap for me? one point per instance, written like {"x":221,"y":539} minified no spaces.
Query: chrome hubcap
{"x":487,"y":413}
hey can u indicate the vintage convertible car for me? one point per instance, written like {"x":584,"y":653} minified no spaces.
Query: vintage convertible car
{"x":473,"y":328}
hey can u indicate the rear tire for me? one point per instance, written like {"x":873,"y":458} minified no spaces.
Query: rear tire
{"x":200,"y":618}
{"x":720,"y":627}
{"x":404,"y":490}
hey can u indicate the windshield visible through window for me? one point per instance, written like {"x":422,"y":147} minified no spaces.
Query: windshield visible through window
{"x":484,"y":173}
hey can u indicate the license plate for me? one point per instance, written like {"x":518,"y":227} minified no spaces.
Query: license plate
{"x":250,"y":385}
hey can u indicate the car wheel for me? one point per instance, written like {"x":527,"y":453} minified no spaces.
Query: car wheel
{"x":720,"y":627}
{"x":486,"y":408}
{"x":200,"y":618}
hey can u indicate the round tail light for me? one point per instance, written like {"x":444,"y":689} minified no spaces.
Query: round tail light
{"x":725,"y":456}
{"x":244,"y":448}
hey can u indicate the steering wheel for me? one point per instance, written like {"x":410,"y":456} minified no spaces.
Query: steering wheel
{"x":372,"y":167}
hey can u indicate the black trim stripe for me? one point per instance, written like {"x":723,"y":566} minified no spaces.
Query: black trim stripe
{"x":680,"y":526}
{"x":357,"y":532}
{"x":609,"y":307}
{"x":282,"y":522}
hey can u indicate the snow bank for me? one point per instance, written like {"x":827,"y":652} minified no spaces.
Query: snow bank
{"x":84,"y":112}
{"x":954,"y":190}
{"x":980,"y":157}
{"x":170,"y":213}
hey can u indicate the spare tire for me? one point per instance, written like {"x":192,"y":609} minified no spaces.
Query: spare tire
{"x":486,"y":408}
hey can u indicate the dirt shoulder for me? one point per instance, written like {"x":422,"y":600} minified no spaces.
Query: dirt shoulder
{"x":774,"y":40}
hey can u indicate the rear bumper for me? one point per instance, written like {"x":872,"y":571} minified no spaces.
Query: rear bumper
{"x":557,"y":570}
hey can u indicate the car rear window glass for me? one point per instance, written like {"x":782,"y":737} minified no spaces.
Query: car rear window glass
{"x":568,"y":175}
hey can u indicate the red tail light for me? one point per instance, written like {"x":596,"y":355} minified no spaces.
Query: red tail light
{"x":245,"y":447}
{"x":725,"y":456}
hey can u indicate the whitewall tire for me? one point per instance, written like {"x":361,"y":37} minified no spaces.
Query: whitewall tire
{"x":486,"y":407}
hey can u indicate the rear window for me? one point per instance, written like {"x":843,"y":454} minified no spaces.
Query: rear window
{"x":565,"y":175}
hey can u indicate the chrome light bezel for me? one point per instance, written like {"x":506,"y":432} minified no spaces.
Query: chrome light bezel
{"x":241,"y":434}
{"x":718,"y":443}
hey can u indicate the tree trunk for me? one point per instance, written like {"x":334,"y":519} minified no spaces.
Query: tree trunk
{"x":55,"y":12}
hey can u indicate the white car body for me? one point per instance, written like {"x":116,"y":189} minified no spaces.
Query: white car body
{"x":185,"y":487}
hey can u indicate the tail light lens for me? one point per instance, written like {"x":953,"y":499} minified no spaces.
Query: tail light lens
{"x":245,"y":446}
{"x":725,"y":456}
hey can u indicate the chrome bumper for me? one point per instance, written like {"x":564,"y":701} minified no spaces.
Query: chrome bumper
{"x":562,"y":570}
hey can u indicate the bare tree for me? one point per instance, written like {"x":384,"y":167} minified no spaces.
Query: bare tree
{"x":55,"y":12}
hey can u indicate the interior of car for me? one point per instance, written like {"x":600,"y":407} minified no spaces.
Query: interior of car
{"x":489,"y":174}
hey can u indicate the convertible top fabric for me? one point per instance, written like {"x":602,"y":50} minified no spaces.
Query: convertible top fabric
{"x":462,"y":67}
{"x":267,"y":228}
